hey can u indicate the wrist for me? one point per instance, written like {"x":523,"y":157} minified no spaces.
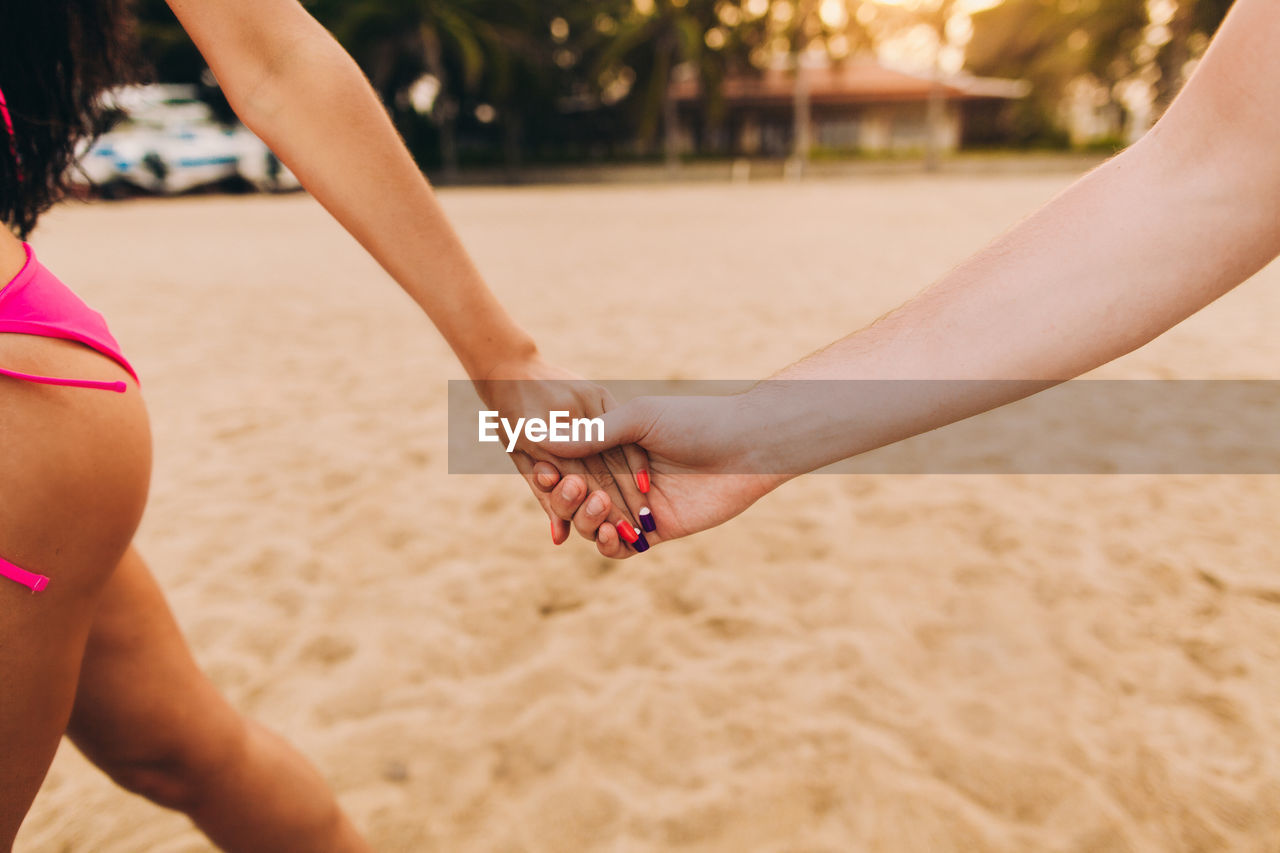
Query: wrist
{"x":791,"y":427}
{"x":513,"y":359}
{"x":759,"y":455}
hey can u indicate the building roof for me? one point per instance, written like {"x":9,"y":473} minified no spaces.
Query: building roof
{"x":855,"y":81}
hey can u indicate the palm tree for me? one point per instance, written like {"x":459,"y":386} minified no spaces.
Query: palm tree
{"x":834,"y":27}
{"x":936,"y":15}
{"x":654,"y":38}
{"x":1112,"y":42}
{"x":1188,"y":29}
{"x":396,"y":41}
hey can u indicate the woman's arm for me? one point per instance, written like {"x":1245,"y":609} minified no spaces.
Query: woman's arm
{"x":1127,"y":252}
{"x":294,"y":86}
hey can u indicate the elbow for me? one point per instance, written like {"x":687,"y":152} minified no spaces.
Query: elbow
{"x":311,"y":60}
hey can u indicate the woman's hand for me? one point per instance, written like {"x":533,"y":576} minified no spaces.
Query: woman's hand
{"x":702,"y":455}
{"x":605,"y":485}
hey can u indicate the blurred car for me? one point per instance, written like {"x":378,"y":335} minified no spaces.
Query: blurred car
{"x":169,"y":142}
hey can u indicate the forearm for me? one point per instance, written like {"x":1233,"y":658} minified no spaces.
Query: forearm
{"x":319,"y":114}
{"x":1126,"y":253}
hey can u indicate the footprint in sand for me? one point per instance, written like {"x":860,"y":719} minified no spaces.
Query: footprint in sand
{"x":327,"y":650}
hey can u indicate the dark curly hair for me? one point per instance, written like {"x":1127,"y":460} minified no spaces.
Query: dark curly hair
{"x":56,"y":58}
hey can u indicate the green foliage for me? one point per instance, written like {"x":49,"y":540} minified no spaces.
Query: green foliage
{"x":165,"y":45}
{"x":1052,"y":43}
{"x":556,"y":79}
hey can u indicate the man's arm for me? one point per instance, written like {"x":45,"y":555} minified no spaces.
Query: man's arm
{"x":1127,"y":252}
{"x":1132,"y":249}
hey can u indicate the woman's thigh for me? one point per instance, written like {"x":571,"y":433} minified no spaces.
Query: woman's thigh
{"x":74,"y":468}
{"x":144,"y":711}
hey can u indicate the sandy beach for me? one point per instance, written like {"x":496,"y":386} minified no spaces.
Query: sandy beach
{"x":874,"y":663}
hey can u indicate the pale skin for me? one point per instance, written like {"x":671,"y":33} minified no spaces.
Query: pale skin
{"x":1127,"y":252}
{"x":98,"y":656}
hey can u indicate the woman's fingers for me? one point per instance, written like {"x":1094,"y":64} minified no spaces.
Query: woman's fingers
{"x":628,"y":521}
{"x":537,"y":477}
{"x":638,"y":462}
{"x":593,"y":517}
{"x":593,"y":512}
{"x":609,"y":469}
{"x":569,"y":495}
{"x":610,"y":545}
{"x":545,"y":475}
{"x":574,"y":500}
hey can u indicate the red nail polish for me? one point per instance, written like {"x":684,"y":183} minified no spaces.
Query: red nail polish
{"x":627,"y":532}
{"x":642,"y":482}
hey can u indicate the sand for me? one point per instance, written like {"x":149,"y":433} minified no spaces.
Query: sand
{"x":895,"y":663}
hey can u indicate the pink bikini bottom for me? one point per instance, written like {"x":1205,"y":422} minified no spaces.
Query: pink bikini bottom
{"x":35,"y":302}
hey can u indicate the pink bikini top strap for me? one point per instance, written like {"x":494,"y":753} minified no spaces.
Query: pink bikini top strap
{"x":13,"y":137}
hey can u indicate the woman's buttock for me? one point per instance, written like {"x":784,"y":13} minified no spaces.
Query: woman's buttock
{"x":75,"y":462}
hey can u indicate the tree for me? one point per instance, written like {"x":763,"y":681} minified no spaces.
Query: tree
{"x":1052,"y":43}
{"x":397,"y":41}
{"x":165,"y":44}
{"x":1188,"y":29}
{"x":836,"y":29}
{"x":646,"y":41}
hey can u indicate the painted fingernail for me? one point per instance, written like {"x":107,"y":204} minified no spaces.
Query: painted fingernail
{"x":641,"y":544}
{"x":571,"y":490}
{"x":646,"y":521}
{"x":642,"y":482}
{"x":627,"y":532}
{"x":555,"y":533}
{"x":595,"y":506}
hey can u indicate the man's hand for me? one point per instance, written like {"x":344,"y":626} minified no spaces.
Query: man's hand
{"x":700,"y":452}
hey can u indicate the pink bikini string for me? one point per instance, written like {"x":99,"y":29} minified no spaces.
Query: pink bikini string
{"x":31,"y":580}
{"x":118,"y":387}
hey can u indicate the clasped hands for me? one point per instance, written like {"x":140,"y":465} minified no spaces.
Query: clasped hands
{"x":669,"y":466}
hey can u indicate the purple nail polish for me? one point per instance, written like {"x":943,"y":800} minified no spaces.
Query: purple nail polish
{"x":646,"y":521}
{"x":641,"y":544}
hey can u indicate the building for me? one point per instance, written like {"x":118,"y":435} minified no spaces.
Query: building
{"x":856,"y":106}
